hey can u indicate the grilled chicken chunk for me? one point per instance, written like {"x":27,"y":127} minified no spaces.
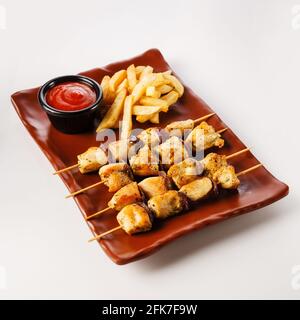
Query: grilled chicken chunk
{"x":155,"y":186}
{"x":185,"y":172}
{"x":135,"y":218}
{"x":204,"y":137}
{"x":145,"y":162}
{"x":172,"y":151}
{"x":227,"y":177}
{"x":168,"y":204}
{"x":91,"y":160}
{"x":150,"y":137}
{"x":127,"y":195}
{"x":198,"y":189}
{"x":179,"y":128}
{"x":212,"y":163}
{"x":116,"y":175}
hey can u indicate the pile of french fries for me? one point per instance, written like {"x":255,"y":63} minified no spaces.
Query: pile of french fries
{"x":139,"y":92}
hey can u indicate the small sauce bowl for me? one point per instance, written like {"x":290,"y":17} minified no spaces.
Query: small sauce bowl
{"x":72,"y":121}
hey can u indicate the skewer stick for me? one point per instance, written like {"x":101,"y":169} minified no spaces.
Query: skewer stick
{"x":204,"y":117}
{"x":222,"y":130}
{"x":249,"y":169}
{"x":84,"y":189}
{"x":98,"y":213}
{"x":66,"y":169}
{"x":99,"y":236}
{"x":237,"y":153}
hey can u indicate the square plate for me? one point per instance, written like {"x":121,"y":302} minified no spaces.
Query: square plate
{"x":258,"y":188}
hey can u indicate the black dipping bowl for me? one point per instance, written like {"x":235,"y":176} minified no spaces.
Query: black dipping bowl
{"x":72,"y":121}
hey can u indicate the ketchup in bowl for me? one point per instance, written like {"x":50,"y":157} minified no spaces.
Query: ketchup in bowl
{"x":72,"y":103}
{"x":71,"y":96}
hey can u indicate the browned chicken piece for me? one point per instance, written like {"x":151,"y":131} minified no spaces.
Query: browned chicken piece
{"x":91,"y":160}
{"x":204,"y":137}
{"x":227,"y":177}
{"x":212,"y":163}
{"x":116,"y":175}
{"x":172,"y":151}
{"x":185,"y":172}
{"x":145,"y":162}
{"x":150,"y":137}
{"x":127,"y":195}
{"x":180,"y":128}
{"x":135,"y":218}
{"x":155,"y":186}
{"x":199,"y":189}
{"x":168,"y":204}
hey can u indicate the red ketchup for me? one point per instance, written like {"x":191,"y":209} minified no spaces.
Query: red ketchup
{"x":71,"y":96}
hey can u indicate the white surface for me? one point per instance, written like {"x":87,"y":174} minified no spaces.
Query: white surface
{"x":242,"y":57}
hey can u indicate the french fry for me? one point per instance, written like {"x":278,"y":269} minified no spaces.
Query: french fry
{"x":147,"y":70}
{"x":108,"y":96}
{"x":167,"y":72}
{"x":165,"y":88}
{"x":170,"y":97}
{"x":139,"y":70}
{"x":131,"y":77}
{"x":144,"y":110}
{"x":116,"y":79}
{"x":112,"y":115}
{"x":140,"y":89}
{"x":148,"y":101}
{"x":159,"y":79}
{"x":155,"y":118}
{"x":144,"y":118}
{"x":127,"y":118}
{"x":152,"y":92}
{"x":175,"y":83}
{"x":122,"y":85}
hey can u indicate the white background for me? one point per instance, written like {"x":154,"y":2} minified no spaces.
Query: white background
{"x":242,"y":57}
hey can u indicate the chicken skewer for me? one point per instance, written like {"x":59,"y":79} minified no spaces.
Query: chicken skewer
{"x":146,"y":162}
{"x":96,"y":161}
{"x":128,"y":224}
{"x":154,"y":186}
{"x":136,"y":192}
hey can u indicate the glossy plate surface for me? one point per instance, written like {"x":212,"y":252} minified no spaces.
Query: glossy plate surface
{"x":257,"y":189}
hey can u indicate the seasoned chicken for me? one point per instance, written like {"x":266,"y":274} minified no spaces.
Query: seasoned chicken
{"x":135,"y":218}
{"x":185,"y":172}
{"x":145,"y":162}
{"x":150,"y":137}
{"x":116,"y":175}
{"x":172,"y":151}
{"x":127,"y":195}
{"x":91,"y":160}
{"x":155,"y":186}
{"x":204,"y":137}
{"x":212,"y":163}
{"x":226,"y":177}
{"x":180,"y":128}
{"x":168,"y":204}
{"x":198,"y":189}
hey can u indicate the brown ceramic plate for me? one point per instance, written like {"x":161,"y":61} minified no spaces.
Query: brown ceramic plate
{"x":258,"y":188}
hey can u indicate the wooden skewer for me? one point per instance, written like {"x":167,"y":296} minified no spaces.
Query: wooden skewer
{"x":66,"y":169}
{"x":84,"y":189}
{"x":237,"y":153}
{"x":98,"y":213}
{"x":204,"y":117}
{"x":249,"y":169}
{"x":222,"y":130}
{"x":99,"y":236}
